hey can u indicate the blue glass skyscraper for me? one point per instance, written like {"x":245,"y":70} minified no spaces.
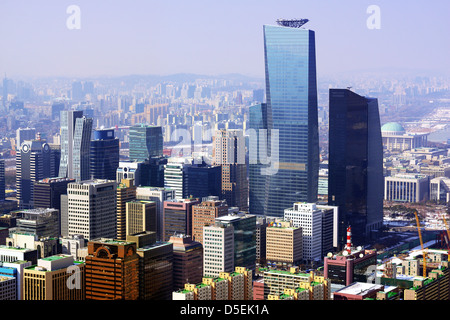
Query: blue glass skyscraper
{"x":104,"y":157}
{"x":291,"y":120}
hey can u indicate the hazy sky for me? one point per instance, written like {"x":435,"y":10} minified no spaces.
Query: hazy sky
{"x":214,"y":36}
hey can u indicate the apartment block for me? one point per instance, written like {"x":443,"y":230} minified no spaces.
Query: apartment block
{"x":277,"y":281}
{"x":235,"y":285}
{"x":434,"y":287}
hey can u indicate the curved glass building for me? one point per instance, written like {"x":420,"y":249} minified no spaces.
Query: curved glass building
{"x":290,"y":117}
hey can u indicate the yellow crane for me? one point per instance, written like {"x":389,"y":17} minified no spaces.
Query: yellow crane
{"x":448,"y":231}
{"x":424,"y":254}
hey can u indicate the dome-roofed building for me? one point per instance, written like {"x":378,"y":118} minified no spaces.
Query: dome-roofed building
{"x":392,"y":128}
{"x":395,"y":138}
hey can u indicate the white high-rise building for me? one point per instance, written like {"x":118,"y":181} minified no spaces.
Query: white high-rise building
{"x":129,"y":170}
{"x":173,"y":174}
{"x":308,"y":217}
{"x":71,"y":245}
{"x":159,"y":195}
{"x":91,"y":209}
{"x":23,"y":134}
{"x":218,"y":250}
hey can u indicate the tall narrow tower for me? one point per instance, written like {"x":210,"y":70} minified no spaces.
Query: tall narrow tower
{"x":75,"y":145}
{"x":291,"y":118}
{"x":229,"y":154}
{"x":355,"y":180}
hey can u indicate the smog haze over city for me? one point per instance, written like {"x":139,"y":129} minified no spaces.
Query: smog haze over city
{"x":215,"y":37}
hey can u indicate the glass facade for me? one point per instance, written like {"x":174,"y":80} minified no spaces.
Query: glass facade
{"x":244,"y":239}
{"x":145,"y":142}
{"x":355,"y":182}
{"x":201,"y":180}
{"x":104,"y":157}
{"x":75,"y":145}
{"x":290,"y":117}
{"x":257,"y":181}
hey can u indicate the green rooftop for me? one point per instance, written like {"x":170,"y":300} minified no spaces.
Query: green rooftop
{"x":53,"y":258}
{"x":287,"y":272}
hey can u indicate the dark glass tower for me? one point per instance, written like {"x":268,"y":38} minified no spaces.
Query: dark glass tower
{"x":48,"y":191}
{"x":104,"y":157}
{"x":201,"y":180}
{"x":244,"y":237}
{"x":291,"y":119}
{"x":34,"y":161}
{"x":145,"y":142}
{"x":355,"y":181}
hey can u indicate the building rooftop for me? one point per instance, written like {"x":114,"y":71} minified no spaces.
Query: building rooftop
{"x":392,"y":127}
{"x":4,"y":278}
{"x":4,"y":247}
{"x":93,"y":182}
{"x":360,"y":288}
{"x":112,"y":241}
{"x":155,"y":245}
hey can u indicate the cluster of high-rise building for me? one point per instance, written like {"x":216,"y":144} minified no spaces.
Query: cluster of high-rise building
{"x":100,"y":217}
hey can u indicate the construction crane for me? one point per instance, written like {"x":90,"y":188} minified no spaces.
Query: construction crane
{"x":448,"y":233}
{"x":424,"y":254}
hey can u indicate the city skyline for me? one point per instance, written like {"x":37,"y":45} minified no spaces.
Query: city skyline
{"x":214,"y":38}
{"x":204,"y":150}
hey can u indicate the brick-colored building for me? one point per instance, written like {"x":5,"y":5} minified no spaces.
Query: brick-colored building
{"x":112,"y":270}
{"x":345,"y":268}
{"x":204,"y":214}
{"x":187,"y":260}
{"x":177,"y":217}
